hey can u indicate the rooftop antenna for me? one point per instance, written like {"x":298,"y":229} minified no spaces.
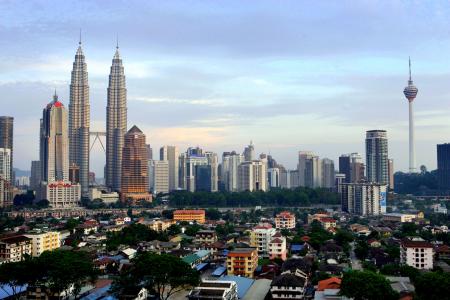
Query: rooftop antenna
{"x":409,"y":68}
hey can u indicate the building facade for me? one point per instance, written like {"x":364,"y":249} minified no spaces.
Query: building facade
{"x":171,"y":154}
{"x":44,"y":241}
{"x":365,"y":199}
{"x":252,"y":176}
{"x":377,"y":156}
{"x":285,"y":220}
{"x":15,"y":248}
{"x":242,"y":262}
{"x":134,"y":181}
{"x":190,"y":215}
{"x":417,"y":253}
{"x":159,"y":176}
{"x":260,"y":238}
{"x":116,"y":123}
{"x":328,"y":173}
{"x":443,"y":166}
{"x":79,"y":119}
{"x":7,"y":140}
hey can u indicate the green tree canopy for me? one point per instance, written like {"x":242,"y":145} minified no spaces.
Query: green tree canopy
{"x":433,"y":285}
{"x":163,"y":275}
{"x":366,"y":285}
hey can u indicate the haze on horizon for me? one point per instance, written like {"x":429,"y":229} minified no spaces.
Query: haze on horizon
{"x":290,"y":75}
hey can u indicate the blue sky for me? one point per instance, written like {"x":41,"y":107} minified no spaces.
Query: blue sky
{"x":289,"y":75}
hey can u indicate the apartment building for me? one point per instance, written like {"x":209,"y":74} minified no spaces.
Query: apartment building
{"x":14,"y":249}
{"x":417,"y":253}
{"x":190,"y":215}
{"x":242,"y":262}
{"x":260,"y":238}
{"x":44,"y":241}
{"x":285,"y":220}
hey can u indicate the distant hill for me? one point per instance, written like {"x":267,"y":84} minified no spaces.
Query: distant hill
{"x":20,"y":173}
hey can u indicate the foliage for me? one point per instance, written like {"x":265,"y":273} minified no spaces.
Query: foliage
{"x":162,"y":274}
{"x":362,"y":249}
{"x":366,"y":285}
{"x":14,"y":275}
{"x":192,"y":230}
{"x":71,"y":224}
{"x":224,"y":230}
{"x":25,"y":199}
{"x":213,"y":214}
{"x":7,"y":222}
{"x":318,"y":235}
{"x":132,"y":235}
{"x":400,"y":270}
{"x":433,"y":285}
{"x":301,"y":196}
{"x":415,"y":183}
{"x":174,"y":229}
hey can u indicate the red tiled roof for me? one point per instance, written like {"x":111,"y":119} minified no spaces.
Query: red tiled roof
{"x":327,"y":220}
{"x":416,"y":244}
{"x":330,"y":283}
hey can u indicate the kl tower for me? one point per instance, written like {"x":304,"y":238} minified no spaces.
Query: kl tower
{"x":410,"y":93}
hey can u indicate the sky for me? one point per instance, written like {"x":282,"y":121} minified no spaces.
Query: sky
{"x":287,"y":75}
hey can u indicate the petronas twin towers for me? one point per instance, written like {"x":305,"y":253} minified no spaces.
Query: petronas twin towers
{"x":79,"y":121}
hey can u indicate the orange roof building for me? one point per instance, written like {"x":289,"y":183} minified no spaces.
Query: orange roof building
{"x":330,"y":283}
{"x":190,"y":215}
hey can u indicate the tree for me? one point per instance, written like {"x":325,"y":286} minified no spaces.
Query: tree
{"x":15,"y":275}
{"x":59,"y":270}
{"x":366,"y":285}
{"x":433,"y":285}
{"x":163,"y":275}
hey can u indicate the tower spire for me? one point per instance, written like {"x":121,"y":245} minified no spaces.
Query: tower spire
{"x":55,"y":96}
{"x":117,"y":41}
{"x":79,"y":42}
{"x":410,"y":69}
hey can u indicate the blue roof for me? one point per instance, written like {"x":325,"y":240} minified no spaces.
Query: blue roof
{"x":6,"y":290}
{"x":97,"y":293}
{"x":243,"y":284}
{"x":219,"y":271}
{"x":297,"y":247}
{"x":202,"y":253}
{"x":201,"y":266}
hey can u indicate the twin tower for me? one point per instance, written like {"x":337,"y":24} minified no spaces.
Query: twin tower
{"x":79,"y":122}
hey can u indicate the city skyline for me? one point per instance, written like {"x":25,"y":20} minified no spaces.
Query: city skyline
{"x":235,"y":90}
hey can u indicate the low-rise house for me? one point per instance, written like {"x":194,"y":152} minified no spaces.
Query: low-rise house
{"x":285,"y":220}
{"x":158,"y":246}
{"x":442,"y":252}
{"x":277,"y":247}
{"x":374,"y":243}
{"x":288,"y":286}
{"x":361,"y":230}
{"x":205,"y":237}
{"x":88,"y":227}
{"x":15,"y":248}
{"x":157,"y":224}
{"x":214,"y":290}
{"x":242,"y":262}
{"x":417,"y":253}
{"x":329,"y":289}
{"x":327,"y":222}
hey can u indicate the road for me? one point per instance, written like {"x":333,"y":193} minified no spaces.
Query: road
{"x":356,"y":263}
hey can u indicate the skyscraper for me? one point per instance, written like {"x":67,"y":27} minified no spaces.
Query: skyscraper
{"x":249,"y":152}
{"x":5,"y":164}
{"x":328,"y":174}
{"x":116,"y":122}
{"x":252,"y":176}
{"x":443,"y":166}
{"x":170,"y":153}
{"x":377,"y":156}
{"x":230,"y":162}
{"x":134,"y":183}
{"x":35,"y":178}
{"x":79,"y":119}
{"x":158,"y":174}
{"x":54,"y":143}
{"x":391,"y":173}
{"x":352,"y":166}
{"x":309,"y":169}
{"x":54,"y":158}
{"x":410,"y":93}
{"x":6,"y":140}
{"x":365,"y":199}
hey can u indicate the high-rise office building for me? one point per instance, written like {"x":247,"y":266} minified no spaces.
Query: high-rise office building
{"x":35,"y":178}
{"x":365,"y":199}
{"x":79,"y":119}
{"x":134,"y":183}
{"x":328,"y":173}
{"x":352,"y":166}
{"x":54,"y":143}
{"x":339,"y":180}
{"x":273,"y":177}
{"x":54,"y":158}
{"x":230,"y":163}
{"x":192,"y":158}
{"x":252,"y":176}
{"x":391,"y":173}
{"x":170,"y":154}
{"x":5,"y":164}
{"x":377,"y":156}
{"x":6,"y":140}
{"x":309,"y":169}
{"x":116,"y":122}
{"x":249,"y":152}
{"x":149,"y":152}
{"x":410,"y":93}
{"x":443,"y":166}
{"x":158,"y":174}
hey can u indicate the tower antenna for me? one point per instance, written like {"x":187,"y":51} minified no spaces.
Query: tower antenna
{"x":79,"y":42}
{"x":410,"y":68}
{"x":117,"y":41}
